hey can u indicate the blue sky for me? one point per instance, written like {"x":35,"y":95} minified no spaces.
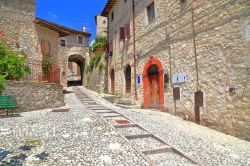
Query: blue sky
{"x":71,"y":13}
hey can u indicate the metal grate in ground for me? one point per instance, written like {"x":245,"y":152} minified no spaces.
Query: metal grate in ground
{"x":152,"y":148}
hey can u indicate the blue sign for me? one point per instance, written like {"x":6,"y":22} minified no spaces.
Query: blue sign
{"x":138,"y":79}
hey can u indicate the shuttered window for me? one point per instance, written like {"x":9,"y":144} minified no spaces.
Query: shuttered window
{"x":122,"y":33}
{"x":111,"y":45}
{"x":151,"y":13}
{"x":45,"y":47}
{"x":127,"y":30}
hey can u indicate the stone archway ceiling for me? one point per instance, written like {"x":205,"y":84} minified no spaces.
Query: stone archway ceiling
{"x":76,"y":58}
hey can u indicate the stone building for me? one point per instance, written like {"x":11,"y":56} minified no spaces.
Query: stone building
{"x":101,"y":25}
{"x":190,"y":58}
{"x":41,"y":39}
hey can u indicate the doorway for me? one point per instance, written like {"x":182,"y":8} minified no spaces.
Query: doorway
{"x":153,"y":84}
{"x":128,"y":79}
{"x":112,"y":76}
{"x":154,"y":87}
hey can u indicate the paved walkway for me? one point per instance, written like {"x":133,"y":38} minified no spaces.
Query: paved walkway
{"x":210,"y":147}
{"x":81,"y":137}
{"x":78,"y":137}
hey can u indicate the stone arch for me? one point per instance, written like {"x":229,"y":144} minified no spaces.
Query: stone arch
{"x":147,"y":84}
{"x":128,"y":80}
{"x":80,"y":61}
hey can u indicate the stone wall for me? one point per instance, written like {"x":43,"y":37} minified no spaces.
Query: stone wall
{"x":101,"y":26}
{"x":35,"y":96}
{"x":221,"y":49}
{"x":73,"y":49}
{"x":16,"y":21}
{"x":50,"y":36}
{"x":95,"y":80}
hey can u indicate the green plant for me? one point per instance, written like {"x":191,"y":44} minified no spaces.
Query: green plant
{"x":2,"y":79}
{"x":46,"y":66}
{"x":142,"y":106}
{"x":100,"y":42}
{"x":12,"y":64}
{"x":101,"y":67}
{"x":93,"y":63}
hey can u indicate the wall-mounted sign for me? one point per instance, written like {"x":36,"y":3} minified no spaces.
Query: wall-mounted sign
{"x":179,"y":78}
{"x":138,"y":79}
{"x":247,"y":32}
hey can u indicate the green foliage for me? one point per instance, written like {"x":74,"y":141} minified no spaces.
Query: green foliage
{"x":46,"y":66}
{"x":12,"y":64}
{"x":101,"y":67}
{"x":93,"y":63}
{"x":100,"y":42}
{"x":2,"y":79}
{"x":142,"y":105}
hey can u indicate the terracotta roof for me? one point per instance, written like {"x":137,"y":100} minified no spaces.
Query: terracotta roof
{"x":62,"y":30}
{"x":108,"y":7}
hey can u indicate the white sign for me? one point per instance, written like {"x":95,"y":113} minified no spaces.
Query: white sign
{"x":179,"y":78}
{"x":247,"y":32}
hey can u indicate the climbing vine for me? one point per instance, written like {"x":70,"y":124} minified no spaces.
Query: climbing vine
{"x":95,"y":62}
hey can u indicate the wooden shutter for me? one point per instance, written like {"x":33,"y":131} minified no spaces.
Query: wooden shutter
{"x":45,"y":48}
{"x":127,"y":30}
{"x":110,"y":45}
{"x":122,"y":33}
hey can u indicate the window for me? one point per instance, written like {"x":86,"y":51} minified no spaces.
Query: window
{"x":122,"y":33}
{"x":125,"y":1}
{"x":127,"y":31}
{"x":151,"y":13}
{"x":80,"y":40}
{"x":104,"y":21}
{"x":45,"y":48}
{"x":112,"y":16}
{"x":110,"y":45}
{"x":62,"y":43}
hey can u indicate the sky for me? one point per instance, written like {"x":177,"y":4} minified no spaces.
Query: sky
{"x":71,"y":13}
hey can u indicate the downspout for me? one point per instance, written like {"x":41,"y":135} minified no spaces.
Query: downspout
{"x":195,"y":50}
{"x":135,"y":74}
{"x":107,"y":61}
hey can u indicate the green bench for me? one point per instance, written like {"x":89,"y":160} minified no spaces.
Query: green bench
{"x":8,"y":103}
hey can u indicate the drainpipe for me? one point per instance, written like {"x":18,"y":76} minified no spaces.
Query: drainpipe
{"x":135,"y":74}
{"x":107,"y":60}
{"x":195,"y":49}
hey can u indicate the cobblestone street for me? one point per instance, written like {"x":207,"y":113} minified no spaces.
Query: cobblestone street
{"x":201,"y":143}
{"x":82,"y":137}
{"x":77,"y":137}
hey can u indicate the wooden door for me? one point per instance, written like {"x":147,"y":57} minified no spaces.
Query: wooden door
{"x":128,"y":80}
{"x":113,"y":81}
{"x":154,"y":90}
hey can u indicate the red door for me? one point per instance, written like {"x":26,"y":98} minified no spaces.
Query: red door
{"x":154,"y":90}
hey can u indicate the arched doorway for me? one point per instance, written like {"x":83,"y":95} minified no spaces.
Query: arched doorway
{"x":128,"y":79}
{"x":153,"y":84}
{"x":75,"y":70}
{"x":112,"y":77}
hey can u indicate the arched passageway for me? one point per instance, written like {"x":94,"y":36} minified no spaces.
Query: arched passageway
{"x":112,"y":77}
{"x":153,"y":84}
{"x":128,"y":79}
{"x":75,"y":70}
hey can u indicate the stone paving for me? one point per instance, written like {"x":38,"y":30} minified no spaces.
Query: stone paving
{"x":208,"y":146}
{"x":78,"y":137}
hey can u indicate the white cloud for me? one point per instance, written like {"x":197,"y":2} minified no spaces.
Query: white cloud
{"x":53,"y":14}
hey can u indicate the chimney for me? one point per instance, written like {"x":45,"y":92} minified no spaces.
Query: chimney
{"x":84,"y":29}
